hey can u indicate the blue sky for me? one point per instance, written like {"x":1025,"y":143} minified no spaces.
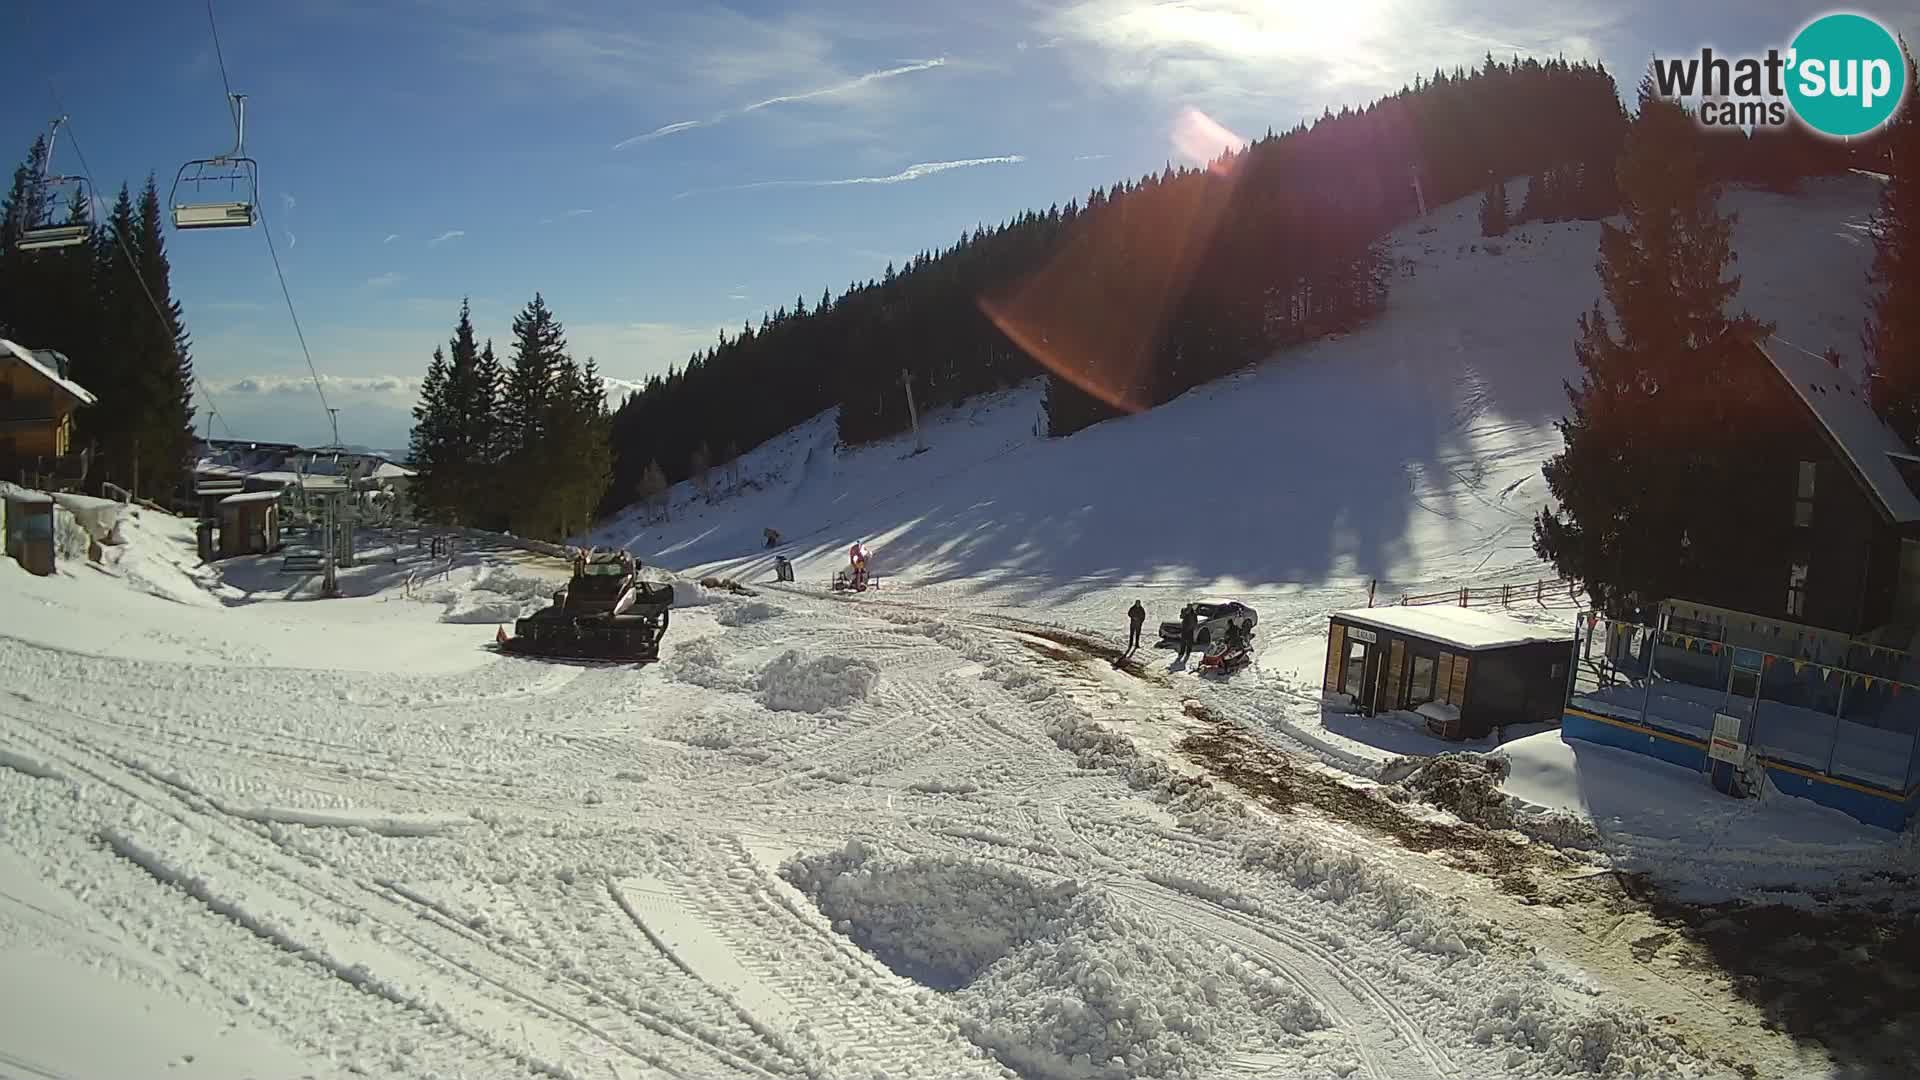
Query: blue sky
{"x":661,"y":171}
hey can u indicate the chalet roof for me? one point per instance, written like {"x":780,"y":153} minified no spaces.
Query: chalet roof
{"x":42,"y":362}
{"x":1843,"y":411}
{"x":1463,"y":628}
{"x":246,"y":497}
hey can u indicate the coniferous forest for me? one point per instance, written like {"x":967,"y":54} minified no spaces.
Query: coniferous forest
{"x":87,"y":302}
{"x":1128,"y":298}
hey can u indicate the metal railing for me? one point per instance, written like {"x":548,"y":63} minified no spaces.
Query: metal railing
{"x":1825,"y":718}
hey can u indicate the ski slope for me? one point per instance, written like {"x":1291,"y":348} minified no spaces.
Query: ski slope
{"x":927,"y":832}
{"x":1408,"y":451}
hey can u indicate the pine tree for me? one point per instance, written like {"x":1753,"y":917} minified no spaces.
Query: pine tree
{"x":538,"y":347}
{"x":165,"y":429}
{"x":428,"y":444}
{"x":1892,"y":336}
{"x":1648,"y":443}
{"x":698,"y":463}
{"x":1493,"y":209}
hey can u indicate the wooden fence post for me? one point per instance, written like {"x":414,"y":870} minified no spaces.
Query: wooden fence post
{"x":1505,"y":595}
{"x":1370,"y":584}
{"x":1463,"y":596}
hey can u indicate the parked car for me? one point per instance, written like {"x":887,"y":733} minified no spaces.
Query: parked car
{"x":1213,"y":613}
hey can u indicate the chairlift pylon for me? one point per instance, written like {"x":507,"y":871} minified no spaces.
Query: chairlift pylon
{"x":40,"y":237}
{"x":239,"y":172}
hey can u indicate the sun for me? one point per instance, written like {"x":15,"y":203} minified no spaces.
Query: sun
{"x":1258,"y":29}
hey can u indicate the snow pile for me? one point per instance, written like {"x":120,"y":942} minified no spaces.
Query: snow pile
{"x":1349,"y":881}
{"x":1055,"y":979}
{"x":689,"y":593}
{"x":700,"y":663}
{"x":497,"y":594}
{"x":1465,"y":784}
{"x":746,"y":614}
{"x":70,"y":539}
{"x":793,"y":683}
{"x":1606,"y":1042}
{"x":100,"y":518}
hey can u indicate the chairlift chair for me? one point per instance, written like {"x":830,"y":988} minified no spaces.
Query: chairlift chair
{"x":239,"y":172}
{"x":43,"y":237}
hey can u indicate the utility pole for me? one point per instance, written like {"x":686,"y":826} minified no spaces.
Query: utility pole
{"x":913,"y":414}
{"x":333,"y":414}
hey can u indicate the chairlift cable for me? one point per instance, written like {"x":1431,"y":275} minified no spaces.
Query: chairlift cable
{"x":272,"y":250}
{"x":73,"y":136}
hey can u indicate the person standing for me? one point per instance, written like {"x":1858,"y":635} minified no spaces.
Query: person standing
{"x":1189,"y":623}
{"x":1136,"y":617}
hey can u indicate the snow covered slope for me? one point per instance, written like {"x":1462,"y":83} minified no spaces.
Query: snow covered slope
{"x":1408,"y":451}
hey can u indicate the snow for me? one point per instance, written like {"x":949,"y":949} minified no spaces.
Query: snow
{"x":249,"y":497}
{"x":32,"y":359}
{"x":1666,"y":819}
{"x":922,"y":831}
{"x":1842,"y":409}
{"x":1463,"y":628}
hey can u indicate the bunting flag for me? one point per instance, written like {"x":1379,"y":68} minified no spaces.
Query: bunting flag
{"x":1766,"y":661}
{"x":1825,"y":672}
{"x":1799,"y":666}
{"x":1713,"y":647}
{"x":1868,"y":679}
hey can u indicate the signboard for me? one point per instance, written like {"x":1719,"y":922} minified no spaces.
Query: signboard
{"x":1726,"y":745}
{"x":1355,"y":633}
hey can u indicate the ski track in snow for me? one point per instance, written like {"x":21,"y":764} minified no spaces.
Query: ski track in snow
{"x":347,"y":829}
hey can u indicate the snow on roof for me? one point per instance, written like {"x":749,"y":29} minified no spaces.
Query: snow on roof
{"x":1463,"y":628}
{"x":250,"y":497}
{"x":33,"y":360}
{"x":389,"y":471}
{"x":1849,"y":419}
{"x":18,"y":494}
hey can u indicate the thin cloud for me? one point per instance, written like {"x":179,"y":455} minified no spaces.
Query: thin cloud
{"x":578,"y":213}
{"x":404,"y":385}
{"x":292,"y":240}
{"x":661,"y":132}
{"x":910,"y":173}
{"x":381,"y":281}
{"x":854,"y":83}
{"x":450,"y":234}
{"x":288,"y":202}
{"x":391,"y":237}
{"x":1090,"y":157}
{"x":848,"y":86}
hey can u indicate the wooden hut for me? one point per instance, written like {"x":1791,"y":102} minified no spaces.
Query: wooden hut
{"x":1482,"y":670}
{"x":26,"y":526}
{"x":249,"y":523}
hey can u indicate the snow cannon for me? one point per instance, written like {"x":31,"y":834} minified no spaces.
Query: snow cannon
{"x":605,"y":613}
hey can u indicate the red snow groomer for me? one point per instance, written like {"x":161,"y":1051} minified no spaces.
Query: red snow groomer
{"x":855,"y":577}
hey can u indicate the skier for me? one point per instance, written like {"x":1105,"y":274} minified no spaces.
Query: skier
{"x":1136,"y":617}
{"x":1189,"y":622}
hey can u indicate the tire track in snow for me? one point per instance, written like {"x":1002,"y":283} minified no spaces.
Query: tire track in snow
{"x":1343,"y":991}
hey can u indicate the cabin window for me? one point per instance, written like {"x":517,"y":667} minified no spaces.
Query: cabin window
{"x":1797,"y":589}
{"x":1420,"y":688}
{"x":1803,"y":495}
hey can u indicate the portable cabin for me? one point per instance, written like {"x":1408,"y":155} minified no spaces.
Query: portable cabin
{"x":1487,"y":669}
{"x":249,"y":523}
{"x":26,"y":524}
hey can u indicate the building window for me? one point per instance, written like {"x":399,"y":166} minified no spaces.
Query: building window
{"x":1420,"y":689}
{"x":1797,"y":590}
{"x":1356,"y":663}
{"x":1803,"y":495}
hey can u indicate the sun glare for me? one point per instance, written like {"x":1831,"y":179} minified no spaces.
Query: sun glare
{"x":1256,"y":30}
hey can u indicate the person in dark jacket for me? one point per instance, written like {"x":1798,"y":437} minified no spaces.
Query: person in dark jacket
{"x":1189,"y":624}
{"x":1136,"y":617}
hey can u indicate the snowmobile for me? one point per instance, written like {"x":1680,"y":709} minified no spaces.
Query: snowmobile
{"x":605,"y":613}
{"x":1228,"y":653}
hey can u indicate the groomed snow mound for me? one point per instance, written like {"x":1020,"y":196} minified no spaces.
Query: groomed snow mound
{"x":1057,"y":980}
{"x":796,"y":683}
{"x":489,"y":594}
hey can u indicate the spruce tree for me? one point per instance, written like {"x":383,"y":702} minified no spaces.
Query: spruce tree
{"x":1493,"y":208}
{"x":428,"y":443}
{"x":1648,"y":447}
{"x":1892,"y":336}
{"x":166,"y":411}
{"x":538,"y":346}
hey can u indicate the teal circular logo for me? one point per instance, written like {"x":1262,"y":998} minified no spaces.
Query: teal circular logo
{"x":1847,"y":75}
